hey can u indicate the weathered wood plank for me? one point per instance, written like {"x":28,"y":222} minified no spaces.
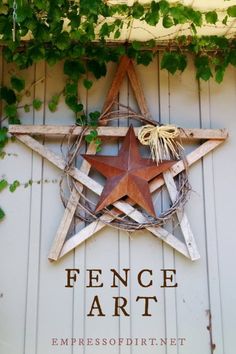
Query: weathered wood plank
{"x":14,"y":237}
{"x":115,"y":86}
{"x":220,"y":196}
{"x":35,"y":231}
{"x":182,"y":217}
{"x":53,"y":304}
{"x":192,"y":277}
{"x":133,"y":214}
{"x":106,"y":132}
{"x":138,"y":91}
{"x":60,"y":163}
{"x":209,"y":196}
{"x":168,"y":255}
{"x":191,"y":158}
{"x":69,"y":211}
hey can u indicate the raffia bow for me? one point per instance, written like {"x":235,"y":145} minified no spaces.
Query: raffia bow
{"x":161,"y":140}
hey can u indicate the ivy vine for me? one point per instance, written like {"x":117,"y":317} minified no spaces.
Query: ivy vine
{"x":77,"y":33}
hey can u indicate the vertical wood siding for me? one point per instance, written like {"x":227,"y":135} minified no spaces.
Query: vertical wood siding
{"x":35,"y":306}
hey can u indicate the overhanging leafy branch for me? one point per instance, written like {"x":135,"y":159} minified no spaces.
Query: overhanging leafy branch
{"x":79,"y":33}
{"x":82,"y":35}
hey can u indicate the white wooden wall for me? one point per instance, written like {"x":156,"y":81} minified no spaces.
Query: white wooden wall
{"x":34,"y":304}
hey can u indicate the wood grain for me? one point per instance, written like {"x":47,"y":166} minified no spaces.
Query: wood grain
{"x":108,"y":132}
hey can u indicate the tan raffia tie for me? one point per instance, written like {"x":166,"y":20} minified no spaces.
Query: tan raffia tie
{"x":161,"y":140}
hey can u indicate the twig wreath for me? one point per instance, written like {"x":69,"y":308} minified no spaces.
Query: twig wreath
{"x":163,"y":143}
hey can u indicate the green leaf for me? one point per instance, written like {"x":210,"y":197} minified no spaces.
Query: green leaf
{"x":71,"y":89}
{"x":98,"y":69}
{"x":10,"y":110}
{"x":42,"y":4}
{"x":194,"y":16}
{"x":52,"y":106}
{"x":98,"y":143}
{"x":80,"y":107}
{"x":94,"y":134}
{"x":211,"y":17}
{"x":193,"y":28}
{"x":3,"y":184}
{"x":94,"y":117}
{"x":136,"y":45}
{"x":37,"y":53}
{"x":179,"y":14}
{"x":7,"y":53}
{"x":7,"y":95}
{"x":203,"y":68}
{"x":221,"y":42}
{"x":23,"y":31}
{"x":151,"y":43}
{"x":2,"y":214}
{"x":41,"y":32}
{"x":72,"y":102}
{"x":138,"y":10}
{"x":62,"y":42}
{"x":220,"y":71}
{"x":23,"y":12}
{"x":169,"y":62}
{"x":173,"y":61}
{"x":3,"y":137}
{"x":75,"y":20}
{"x":93,"y":137}
{"x":31,"y":23}
{"x":164,"y":7}
{"x":225,"y":20}
{"x":14,"y":186}
{"x":117,"y":34}
{"x":182,"y":62}
{"x":77,"y":51}
{"x":37,"y":104}
{"x":105,"y":30}
{"x":53,"y":56}
{"x":167,"y":22}
{"x":81,"y":119}
{"x":26,"y":108}
{"x":14,"y":120}
{"x":144,"y":58}
{"x":76,"y":35}
{"x":88,"y":138}
{"x":232,"y":11}
{"x":87,"y":84}
{"x":151,"y":18}
{"x":73,"y":69}
{"x":232,"y":57}
{"x":55,"y":99}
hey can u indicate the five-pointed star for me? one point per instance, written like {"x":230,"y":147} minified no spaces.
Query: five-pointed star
{"x":127,"y":174}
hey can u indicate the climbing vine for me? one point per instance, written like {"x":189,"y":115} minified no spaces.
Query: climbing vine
{"x":85,"y":36}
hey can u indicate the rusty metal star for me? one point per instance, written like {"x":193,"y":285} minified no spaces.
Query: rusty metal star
{"x":127,"y":174}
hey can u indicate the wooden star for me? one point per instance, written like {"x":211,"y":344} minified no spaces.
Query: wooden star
{"x":210,"y":140}
{"x":127,"y":174}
